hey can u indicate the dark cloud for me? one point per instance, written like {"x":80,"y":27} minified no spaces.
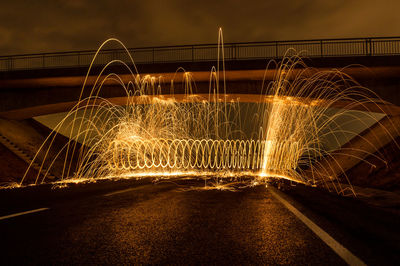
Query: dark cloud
{"x":42,"y":26}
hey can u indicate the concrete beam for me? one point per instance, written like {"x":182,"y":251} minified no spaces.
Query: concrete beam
{"x":357,"y":72}
{"x":18,"y":93}
{"x":38,"y":110}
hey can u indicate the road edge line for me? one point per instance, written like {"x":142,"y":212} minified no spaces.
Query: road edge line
{"x":22,"y":213}
{"x":338,"y":248}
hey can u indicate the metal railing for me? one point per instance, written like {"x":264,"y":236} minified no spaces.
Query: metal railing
{"x":208,"y":52}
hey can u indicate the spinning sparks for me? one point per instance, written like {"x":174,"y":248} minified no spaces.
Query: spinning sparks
{"x":284,"y":132}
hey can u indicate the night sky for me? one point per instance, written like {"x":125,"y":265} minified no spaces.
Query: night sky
{"x":51,"y":25}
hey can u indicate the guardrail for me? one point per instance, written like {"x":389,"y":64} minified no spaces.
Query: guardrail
{"x":208,"y":52}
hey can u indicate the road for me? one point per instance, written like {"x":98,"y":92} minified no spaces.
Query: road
{"x":169,"y":223}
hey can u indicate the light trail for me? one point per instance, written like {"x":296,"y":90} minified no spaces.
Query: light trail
{"x":29,"y":112}
{"x":132,"y":154}
{"x":281,"y":133}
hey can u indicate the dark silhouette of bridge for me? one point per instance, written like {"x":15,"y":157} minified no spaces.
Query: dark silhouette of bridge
{"x":322,"y":48}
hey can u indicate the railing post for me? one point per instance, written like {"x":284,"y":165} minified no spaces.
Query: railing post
{"x":10,"y":63}
{"x":321,"y":48}
{"x":370,"y":46}
{"x":192,"y":53}
{"x":276,"y":49}
{"x":153,"y":54}
{"x":42,"y":61}
{"x":79,"y":59}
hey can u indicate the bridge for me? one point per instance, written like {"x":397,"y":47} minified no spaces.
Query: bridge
{"x":51,"y":82}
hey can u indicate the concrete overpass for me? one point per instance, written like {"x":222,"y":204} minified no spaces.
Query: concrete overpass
{"x":33,"y":85}
{"x":37,"y":84}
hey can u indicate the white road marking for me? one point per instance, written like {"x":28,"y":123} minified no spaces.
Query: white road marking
{"x":339,"y":249}
{"x":118,"y":192}
{"x":22,"y":213}
{"x":123,"y":191}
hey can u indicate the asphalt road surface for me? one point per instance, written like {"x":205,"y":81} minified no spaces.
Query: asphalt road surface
{"x":169,"y":223}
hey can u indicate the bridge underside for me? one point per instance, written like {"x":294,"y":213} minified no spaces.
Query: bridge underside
{"x":33,"y":96}
{"x":45,"y":109}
